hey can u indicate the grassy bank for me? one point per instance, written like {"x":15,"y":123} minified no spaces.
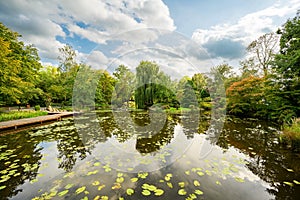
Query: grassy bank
{"x":20,"y":115}
{"x":291,"y":135}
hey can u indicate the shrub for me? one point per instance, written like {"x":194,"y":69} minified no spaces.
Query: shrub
{"x":37,"y":108}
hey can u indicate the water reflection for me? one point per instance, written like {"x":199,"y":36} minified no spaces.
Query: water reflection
{"x":45,"y":161}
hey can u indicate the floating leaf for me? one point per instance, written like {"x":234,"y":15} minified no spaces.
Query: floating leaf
{"x":121,"y":198}
{"x":170,"y":185}
{"x":62,"y":193}
{"x":290,"y":170}
{"x":196,"y":183}
{"x":146,"y":192}
{"x":181,"y":184}
{"x":120,"y":174}
{"x":288,"y":183}
{"x":33,"y":181}
{"x":97,"y":164}
{"x":143,"y":175}
{"x":187,"y":172}
{"x":120,"y":180}
{"x":69,"y":186}
{"x":134,"y":180}
{"x":95,"y":183}
{"x":92,"y":172}
{"x":200,"y":173}
{"x":199,"y":192}
{"x":130,"y":191}
{"x":296,"y":182}
{"x":182,"y":192}
{"x":97,"y":197}
{"x":79,"y":190}
{"x":116,"y":186}
{"x":238,"y":179}
{"x":2,"y":187}
{"x":158,"y":192}
{"x":208,"y":172}
{"x":101,"y":187}
{"x":218,"y":183}
{"x":104,"y":198}
{"x":168,"y":177}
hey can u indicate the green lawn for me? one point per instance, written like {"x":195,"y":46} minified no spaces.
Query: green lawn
{"x":20,"y":114}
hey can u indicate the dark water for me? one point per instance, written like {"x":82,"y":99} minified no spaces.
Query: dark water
{"x":105,"y":159}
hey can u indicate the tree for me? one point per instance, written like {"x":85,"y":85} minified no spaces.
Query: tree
{"x":19,"y":69}
{"x":146,"y":76}
{"x":263,"y":50}
{"x":105,"y":88}
{"x":287,"y":63}
{"x":125,"y":82}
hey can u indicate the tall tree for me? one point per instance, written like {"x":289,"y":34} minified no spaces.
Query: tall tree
{"x":125,"y":82}
{"x":146,"y":76}
{"x":263,"y":51}
{"x":19,"y":69}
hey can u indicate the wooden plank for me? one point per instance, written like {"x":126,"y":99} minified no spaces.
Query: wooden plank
{"x":28,"y":121}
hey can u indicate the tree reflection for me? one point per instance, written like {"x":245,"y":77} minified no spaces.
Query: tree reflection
{"x":21,"y":162}
{"x":268,"y":160}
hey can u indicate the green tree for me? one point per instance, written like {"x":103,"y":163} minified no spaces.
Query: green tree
{"x":146,"y":76}
{"x":125,"y":81}
{"x":287,"y":64}
{"x":19,"y":69}
{"x":105,"y":88}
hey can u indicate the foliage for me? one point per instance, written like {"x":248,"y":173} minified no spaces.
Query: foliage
{"x":153,"y":86}
{"x":19,"y":66}
{"x":125,"y":82}
{"x":20,"y":114}
{"x":291,"y":134}
{"x":37,"y":107}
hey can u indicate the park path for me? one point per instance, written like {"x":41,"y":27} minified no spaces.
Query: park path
{"x":14,"y":124}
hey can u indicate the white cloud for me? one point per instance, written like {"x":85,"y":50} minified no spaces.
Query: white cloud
{"x":247,"y":29}
{"x":40,"y":22}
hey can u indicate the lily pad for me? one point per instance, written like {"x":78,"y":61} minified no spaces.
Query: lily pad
{"x":129,"y":191}
{"x":198,"y":192}
{"x":288,"y":183}
{"x":200,"y":173}
{"x":134,"y":180}
{"x":120,"y":180}
{"x":238,"y":179}
{"x":2,"y":187}
{"x":80,"y":190}
{"x":146,"y":192}
{"x":69,"y":186}
{"x":158,"y":192}
{"x":296,"y":182}
{"x":62,"y":193}
{"x":181,"y":184}
{"x":182,"y":192}
{"x":95,"y":183}
{"x":196,"y":183}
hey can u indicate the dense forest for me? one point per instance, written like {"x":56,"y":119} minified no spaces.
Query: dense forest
{"x":267,"y":86}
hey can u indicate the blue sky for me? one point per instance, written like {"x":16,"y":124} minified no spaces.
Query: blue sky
{"x":222,"y":28}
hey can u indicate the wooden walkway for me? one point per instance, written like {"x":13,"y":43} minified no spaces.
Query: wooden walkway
{"x":14,"y":124}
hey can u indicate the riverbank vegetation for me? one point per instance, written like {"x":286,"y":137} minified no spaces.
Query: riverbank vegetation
{"x":266,"y":87}
{"x":12,"y":115}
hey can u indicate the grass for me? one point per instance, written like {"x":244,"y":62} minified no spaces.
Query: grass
{"x":177,"y":111}
{"x":291,"y":134}
{"x":20,"y":115}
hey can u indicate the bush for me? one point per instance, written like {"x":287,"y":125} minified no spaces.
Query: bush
{"x":37,"y":108}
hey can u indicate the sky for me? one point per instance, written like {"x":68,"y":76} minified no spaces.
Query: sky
{"x":171,"y":32}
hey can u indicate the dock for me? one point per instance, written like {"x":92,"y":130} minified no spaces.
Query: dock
{"x":15,"y":124}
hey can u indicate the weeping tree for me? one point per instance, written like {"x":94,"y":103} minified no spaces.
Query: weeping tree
{"x":146,"y":77}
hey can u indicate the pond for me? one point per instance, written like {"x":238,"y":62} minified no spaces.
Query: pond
{"x":101,"y":158}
